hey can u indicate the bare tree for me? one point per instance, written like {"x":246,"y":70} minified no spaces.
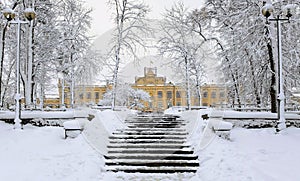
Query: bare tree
{"x":181,"y":44}
{"x":249,"y":49}
{"x":3,"y":65}
{"x":58,"y":32}
{"x":131,"y":27}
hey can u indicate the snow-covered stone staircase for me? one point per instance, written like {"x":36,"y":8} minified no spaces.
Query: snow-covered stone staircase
{"x":151,"y":145}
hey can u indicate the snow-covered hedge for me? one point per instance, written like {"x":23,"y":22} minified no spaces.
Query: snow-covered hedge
{"x":258,"y":119}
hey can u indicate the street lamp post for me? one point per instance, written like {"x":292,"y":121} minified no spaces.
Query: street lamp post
{"x":267,"y":11}
{"x":9,"y":14}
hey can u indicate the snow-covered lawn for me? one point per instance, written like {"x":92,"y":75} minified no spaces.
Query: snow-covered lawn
{"x":253,"y":154}
{"x":41,"y":153}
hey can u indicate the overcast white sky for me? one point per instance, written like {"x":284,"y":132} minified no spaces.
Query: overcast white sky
{"x":102,"y":15}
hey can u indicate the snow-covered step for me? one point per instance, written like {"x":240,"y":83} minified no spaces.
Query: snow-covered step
{"x":154,"y":121}
{"x":151,"y":156}
{"x":153,"y":129}
{"x":158,"y":123}
{"x":151,"y":145}
{"x":151,"y":163}
{"x":146,"y":141}
{"x":153,"y":148}
{"x":150,"y":133}
{"x":143,"y":148}
{"x":155,"y":126}
{"x":152,"y":151}
{"x":145,"y":169}
{"x":147,"y":137}
{"x":154,"y":117}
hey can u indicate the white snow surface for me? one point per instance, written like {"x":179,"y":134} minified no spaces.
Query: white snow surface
{"x":42,"y":153}
{"x":102,"y":126}
{"x":71,"y":125}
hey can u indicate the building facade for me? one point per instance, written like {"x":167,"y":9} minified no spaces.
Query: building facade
{"x":163,"y":94}
{"x":214,"y":95}
{"x":83,"y":94}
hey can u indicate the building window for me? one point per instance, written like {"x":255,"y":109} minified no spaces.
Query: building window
{"x":88,"y":95}
{"x":222,"y":94}
{"x":178,"y":94}
{"x":96,"y":95}
{"x":159,"y":94}
{"x":178,"y":104}
{"x":205,"y":94}
{"x":150,"y":105}
{"x":160,"y":104}
{"x":169,"y":94}
{"x":213,"y":95}
{"x":204,"y":104}
{"x":81,"y":96}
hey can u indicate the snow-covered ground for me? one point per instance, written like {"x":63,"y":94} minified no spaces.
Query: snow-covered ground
{"x":42,"y":153}
{"x":258,"y":155}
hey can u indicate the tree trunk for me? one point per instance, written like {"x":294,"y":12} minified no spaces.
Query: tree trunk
{"x":115,"y":79}
{"x":273,"y":79}
{"x":1,"y":63}
{"x":236,"y":87}
{"x":199,"y":93}
{"x":120,"y":25}
{"x":256,"y":94}
{"x":29,"y":81}
{"x":188,"y":83}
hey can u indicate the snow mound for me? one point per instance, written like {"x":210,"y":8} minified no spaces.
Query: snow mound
{"x":104,"y":123}
{"x":71,"y":125}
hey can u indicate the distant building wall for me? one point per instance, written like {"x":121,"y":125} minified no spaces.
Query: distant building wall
{"x":214,"y":95}
{"x":163,"y":94}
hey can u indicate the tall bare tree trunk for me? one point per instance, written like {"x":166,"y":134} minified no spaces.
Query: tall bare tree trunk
{"x":187,"y":78}
{"x":2,"y":63}
{"x":29,"y":77}
{"x":120,"y":25}
{"x":255,"y":87}
{"x":273,"y":79}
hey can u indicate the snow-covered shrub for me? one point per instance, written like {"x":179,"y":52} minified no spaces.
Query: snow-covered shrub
{"x":126,"y":96}
{"x":45,"y":122}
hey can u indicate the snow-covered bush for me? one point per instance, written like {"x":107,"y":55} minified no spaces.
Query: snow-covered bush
{"x":126,"y":96}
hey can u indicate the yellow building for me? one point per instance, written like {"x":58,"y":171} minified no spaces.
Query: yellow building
{"x":51,"y":101}
{"x":214,"y":95}
{"x":163,"y":94}
{"x":89,"y":94}
{"x":84,"y":94}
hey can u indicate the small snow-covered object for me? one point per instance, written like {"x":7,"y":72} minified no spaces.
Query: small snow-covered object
{"x":72,"y":129}
{"x":223,"y":126}
{"x":223,"y":129}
